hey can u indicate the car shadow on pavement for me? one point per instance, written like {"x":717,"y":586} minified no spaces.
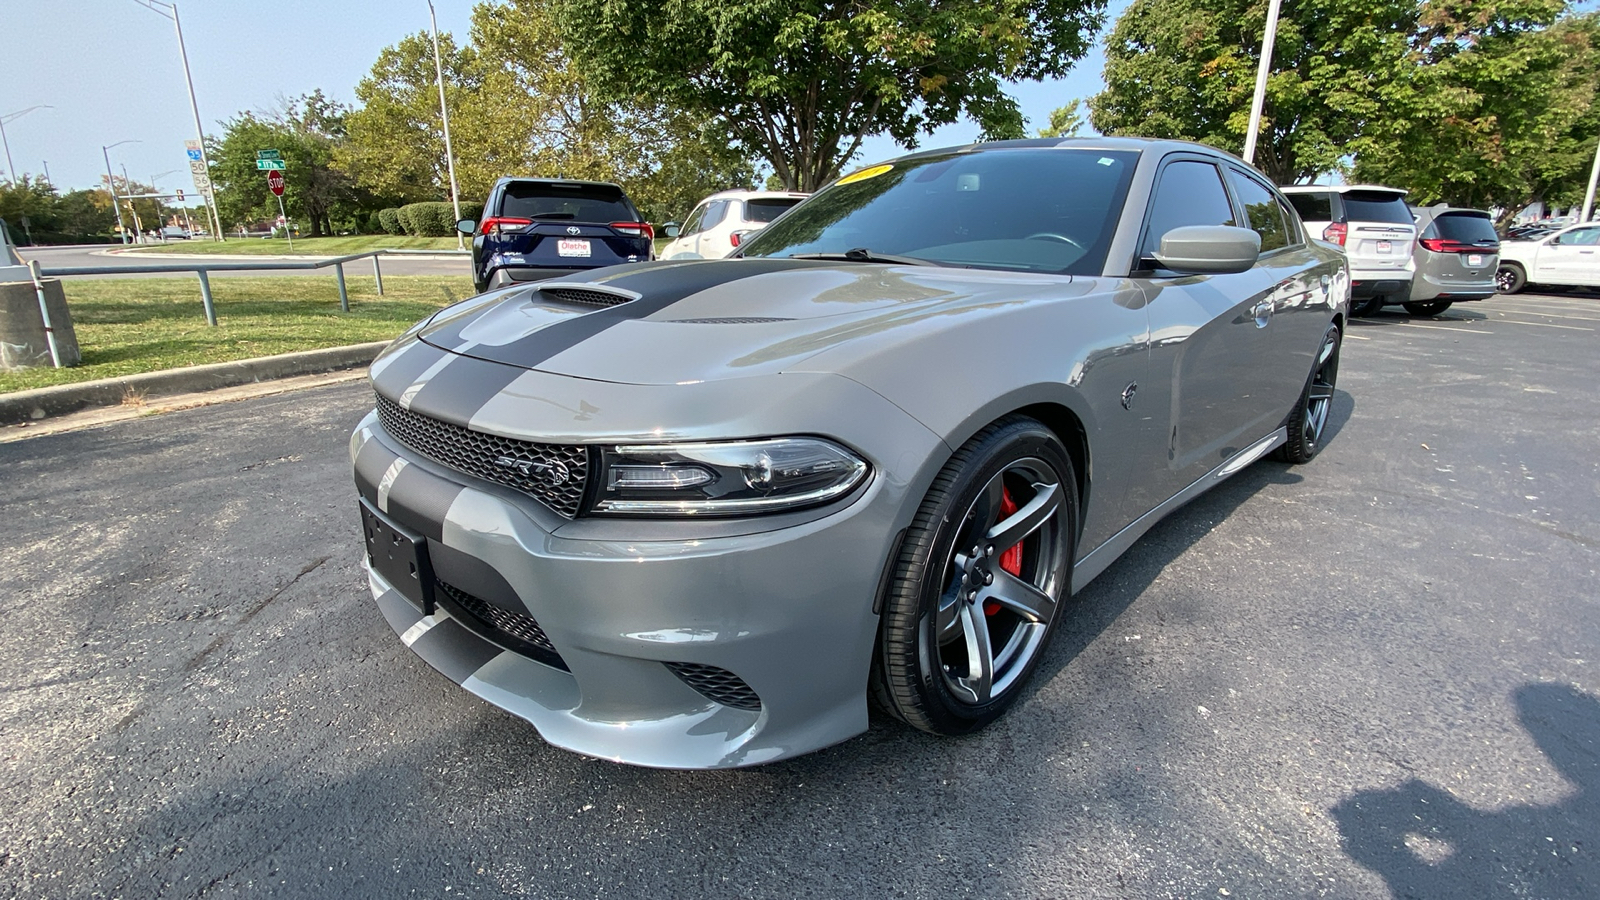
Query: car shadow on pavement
{"x":1424,"y":842}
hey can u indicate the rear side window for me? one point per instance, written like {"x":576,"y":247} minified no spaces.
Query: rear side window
{"x":1266,"y":217}
{"x":565,"y":202}
{"x":1376,"y":206}
{"x":1190,"y":193}
{"x":1468,"y":228}
{"x":1316,"y":207}
{"x":768,"y":209}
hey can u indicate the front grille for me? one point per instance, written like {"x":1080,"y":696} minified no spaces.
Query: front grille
{"x":513,"y":630}
{"x":717,"y":684}
{"x":587,"y":297}
{"x":554,"y":474}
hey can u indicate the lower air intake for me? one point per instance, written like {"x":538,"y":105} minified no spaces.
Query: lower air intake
{"x":513,"y":630}
{"x":717,"y":684}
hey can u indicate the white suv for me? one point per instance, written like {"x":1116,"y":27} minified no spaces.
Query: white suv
{"x":1570,"y":257}
{"x":721,"y":221}
{"x":1376,"y":230}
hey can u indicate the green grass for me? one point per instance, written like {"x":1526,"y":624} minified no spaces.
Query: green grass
{"x":323,"y":246}
{"x":131,"y":325}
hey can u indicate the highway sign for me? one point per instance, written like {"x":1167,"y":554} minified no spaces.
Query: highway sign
{"x":270,"y":165}
{"x":275,"y":182}
{"x":268,"y":154}
{"x":194,"y":153}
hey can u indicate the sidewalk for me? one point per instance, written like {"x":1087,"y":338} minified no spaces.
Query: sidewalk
{"x":138,"y":391}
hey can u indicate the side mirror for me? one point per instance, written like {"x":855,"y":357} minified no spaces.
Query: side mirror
{"x":467,"y":226}
{"x":671,"y":229}
{"x":1209,"y":249}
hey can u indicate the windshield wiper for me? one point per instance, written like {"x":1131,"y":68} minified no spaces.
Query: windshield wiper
{"x":862,"y":254}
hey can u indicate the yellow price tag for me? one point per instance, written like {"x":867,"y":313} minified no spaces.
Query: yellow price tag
{"x":864,"y":174}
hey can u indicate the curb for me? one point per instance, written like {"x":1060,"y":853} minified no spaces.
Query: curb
{"x":26,"y":406}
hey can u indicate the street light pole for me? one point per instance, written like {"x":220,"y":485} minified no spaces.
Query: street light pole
{"x":1262,"y":71}
{"x":170,"y":10}
{"x":444,"y":115}
{"x":1594,"y":176}
{"x":111,"y":185}
{"x":11,"y":171}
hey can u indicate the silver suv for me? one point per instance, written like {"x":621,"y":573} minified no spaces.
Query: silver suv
{"x":1375,"y":228}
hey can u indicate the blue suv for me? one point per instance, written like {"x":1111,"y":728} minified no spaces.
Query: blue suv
{"x":538,"y":228}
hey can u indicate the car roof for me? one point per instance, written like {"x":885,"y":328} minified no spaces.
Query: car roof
{"x":1341,"y":188}
{"x":529,"y":179}
{"x":755,"y":195}
{"x":1102,"y":143}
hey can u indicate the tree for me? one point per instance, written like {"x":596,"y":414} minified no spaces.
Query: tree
{"x":306,"y":131}
{"x":800,"y":83}
{"x":1186,"y":69}
{"x":1065,"y":121}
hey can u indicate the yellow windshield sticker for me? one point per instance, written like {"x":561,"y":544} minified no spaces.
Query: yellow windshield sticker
{"x":864,"y":174}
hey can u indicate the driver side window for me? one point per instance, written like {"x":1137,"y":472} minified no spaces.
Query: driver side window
{"x":692,"y":224}
{"x":1190,"y":192}
{"x":1582,"y":237}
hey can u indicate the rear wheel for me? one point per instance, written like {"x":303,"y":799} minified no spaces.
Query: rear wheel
{"x":979,"y":580}
{"x":1428,"y":307}
{"x":1368,"y":306}
{"x":1309,"y":421}
{"x":1510,"y":279}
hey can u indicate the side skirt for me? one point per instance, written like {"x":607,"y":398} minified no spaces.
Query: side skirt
{"x":1103,"y":556}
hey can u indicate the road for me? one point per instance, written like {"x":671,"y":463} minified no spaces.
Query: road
{"x":1370,"y":676}
{"x":96,"y":255}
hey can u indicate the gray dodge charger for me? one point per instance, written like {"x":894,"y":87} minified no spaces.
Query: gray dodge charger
{"x":695,"y":514}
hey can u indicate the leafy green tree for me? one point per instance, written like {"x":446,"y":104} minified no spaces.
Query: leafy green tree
{"x":800,"y":83}
{"x":306,"y":131}
{"x":1065,"y":121}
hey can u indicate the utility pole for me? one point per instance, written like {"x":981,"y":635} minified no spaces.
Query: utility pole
{"x":111,"y":184}
{"x":1262,"y":71}
{"x":444,"y":115}
{"x":1588,"y":197}
{"x":48,"y":180}
{"x":11,"y":170}
{"x":170,"y":10}
{"x":127,"y":194}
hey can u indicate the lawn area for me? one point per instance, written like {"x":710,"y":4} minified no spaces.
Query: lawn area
{"x":324,"y":246}
{"x":130,"y":325}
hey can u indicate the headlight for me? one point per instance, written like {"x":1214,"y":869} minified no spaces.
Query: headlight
{"x":725,"y":479}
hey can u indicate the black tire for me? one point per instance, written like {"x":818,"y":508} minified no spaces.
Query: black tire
{"x":1428,"y":307}
{"x":946,"y":603}
{"x":1366,"y":306}
{"x":1308,"y":423}
{"x":1510,"y":279}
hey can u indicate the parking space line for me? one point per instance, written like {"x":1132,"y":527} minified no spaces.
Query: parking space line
{"x":1442,"y":328}
{"x":1547,"y":325}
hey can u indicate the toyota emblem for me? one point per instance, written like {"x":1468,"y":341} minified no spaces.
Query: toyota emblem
{"x":573,"y":229}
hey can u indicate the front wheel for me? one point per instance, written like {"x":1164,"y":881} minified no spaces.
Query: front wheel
{"x":1428,"y":307}
{"x":1309,"y":421}
{"x":1510,"y":279}
{"x":977,"y":586}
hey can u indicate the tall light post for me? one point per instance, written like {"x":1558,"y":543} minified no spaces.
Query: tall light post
{"x":161,"y":224}
{"x":1262,"y":70}
{"x":444,"y":115}
{"x":1588,"y":196}
{"x":11,"y":171}
{"x":111,"y":184}
{"x":170,"y":10}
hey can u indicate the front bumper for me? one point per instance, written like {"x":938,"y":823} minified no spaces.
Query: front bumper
{"x":784,"y":604}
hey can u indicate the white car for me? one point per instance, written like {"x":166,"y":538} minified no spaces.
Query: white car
{"x":722,"y":220}
{"x":1374,"y":226}
{"x":1570,"y":257}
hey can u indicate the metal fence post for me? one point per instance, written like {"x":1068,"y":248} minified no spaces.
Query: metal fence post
{"x":377,"y":273}
{"x":205,"y":297}
{"x":344,"y":296}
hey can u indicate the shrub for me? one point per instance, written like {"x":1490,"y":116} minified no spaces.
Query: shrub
{"x":389,"y":220}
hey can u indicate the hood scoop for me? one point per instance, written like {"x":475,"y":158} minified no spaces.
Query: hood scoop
{"x":585,"y":294}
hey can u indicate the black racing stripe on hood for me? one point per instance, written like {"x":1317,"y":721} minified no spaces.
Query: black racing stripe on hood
{"x":455,"y":393}
{"x":405,"y":366}
{"x":658,"y":286}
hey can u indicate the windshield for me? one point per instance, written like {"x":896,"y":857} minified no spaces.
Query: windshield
{"x":1038,"y":209}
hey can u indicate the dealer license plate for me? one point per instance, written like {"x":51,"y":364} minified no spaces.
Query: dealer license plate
{"x":1385,"y":246}
{"x":399,"y":556}
{"x":1475,"y":260}
{"x":573,"y":247}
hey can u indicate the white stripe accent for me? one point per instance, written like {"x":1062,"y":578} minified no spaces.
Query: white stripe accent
{"x":415,"y":632}
{"x":386,"y":483}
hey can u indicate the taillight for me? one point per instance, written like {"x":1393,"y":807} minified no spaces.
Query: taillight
{"x":734,"y":238}
{"x":1335,"y":233}
{"x":497,"y":224}
{"x":1440,"y":245}
{"x":635,"y":229}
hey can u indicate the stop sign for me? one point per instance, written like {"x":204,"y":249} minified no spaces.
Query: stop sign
{"x":275,"y":182}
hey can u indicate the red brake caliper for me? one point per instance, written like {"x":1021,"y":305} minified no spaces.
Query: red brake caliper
{"x":1011,"y":559}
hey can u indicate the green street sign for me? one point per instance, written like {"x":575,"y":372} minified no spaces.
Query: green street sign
{"x":271,"y":164}
{"x":268,"y":154}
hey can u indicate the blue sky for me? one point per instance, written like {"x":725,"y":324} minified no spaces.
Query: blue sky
{"x":111,"y":71}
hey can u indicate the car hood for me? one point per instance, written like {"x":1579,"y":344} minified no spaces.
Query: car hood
{"x":705,"y":320}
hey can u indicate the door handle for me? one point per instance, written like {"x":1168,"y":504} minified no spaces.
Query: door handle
{"x":1263,"y":313}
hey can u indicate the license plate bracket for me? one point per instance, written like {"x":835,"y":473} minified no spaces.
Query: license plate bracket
{"x":1385,"y":247}
{"x":400,"y":556}
{"x":578,"y":247}
{"x":1475,"y":260}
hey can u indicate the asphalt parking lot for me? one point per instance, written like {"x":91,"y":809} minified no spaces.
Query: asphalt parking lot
{"x":1370,"y":676}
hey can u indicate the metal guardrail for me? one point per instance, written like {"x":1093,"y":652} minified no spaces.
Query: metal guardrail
{"x":201,"y":268}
